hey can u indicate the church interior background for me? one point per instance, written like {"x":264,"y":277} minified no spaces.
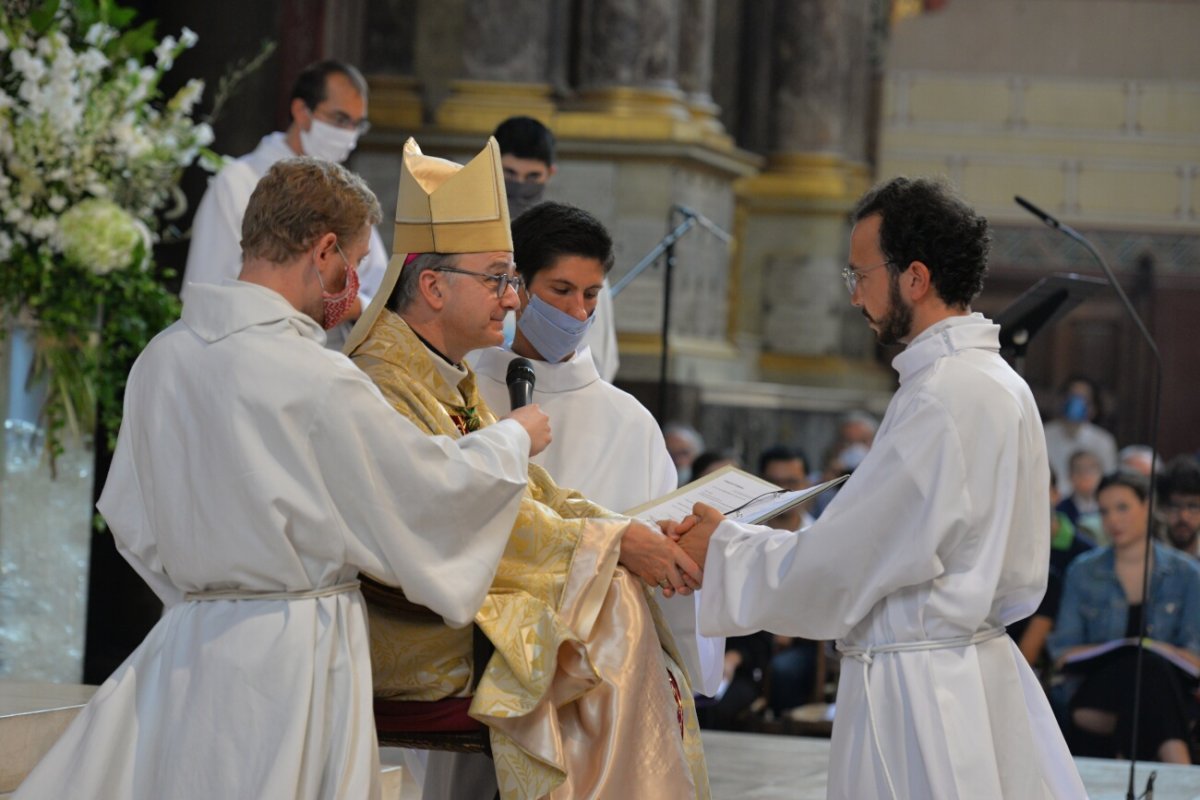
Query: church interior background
{"x":770,"y":117}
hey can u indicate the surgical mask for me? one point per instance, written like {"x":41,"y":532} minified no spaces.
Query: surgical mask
{"x":1075,"y":409}
{"x":337,"y":305}
{"x":522,"y":196}
{"x":553,"y":333}
{"x":328,"y":142}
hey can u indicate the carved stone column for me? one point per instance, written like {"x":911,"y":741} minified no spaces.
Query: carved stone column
{"x":790,"y":302}
{"x":506,"y":65}
{"x":696,"y":36}
{"x":628,"y":66}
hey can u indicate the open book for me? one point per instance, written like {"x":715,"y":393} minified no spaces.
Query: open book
{"x":736,"y":493}
{"x":1085,"y":660}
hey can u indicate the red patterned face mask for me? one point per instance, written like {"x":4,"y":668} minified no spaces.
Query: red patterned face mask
{"x":338,"y":305}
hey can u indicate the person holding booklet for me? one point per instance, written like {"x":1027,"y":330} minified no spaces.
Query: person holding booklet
{"x":1102,"y":609}
{"x":938,"y":540}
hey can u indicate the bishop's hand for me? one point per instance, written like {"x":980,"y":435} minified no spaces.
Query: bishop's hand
{"x":699,"y":529}
{"x":536,"y":424}
{"x":658,"y":560}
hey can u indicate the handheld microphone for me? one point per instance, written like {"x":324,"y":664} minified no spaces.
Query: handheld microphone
{"x":520,"y":379}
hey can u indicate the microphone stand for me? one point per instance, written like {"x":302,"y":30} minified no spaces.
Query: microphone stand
{"x":667,"y":246}
{"x":1070,"y":232}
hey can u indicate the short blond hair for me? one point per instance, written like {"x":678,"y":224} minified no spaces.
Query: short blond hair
{"x":300,"y":200}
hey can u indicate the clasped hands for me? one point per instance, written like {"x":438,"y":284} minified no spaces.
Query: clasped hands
{"x":671,"y":561}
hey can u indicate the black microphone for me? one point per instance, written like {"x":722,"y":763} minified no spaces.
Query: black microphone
{"x":1156,"y":414}
{"x":520,"y":379}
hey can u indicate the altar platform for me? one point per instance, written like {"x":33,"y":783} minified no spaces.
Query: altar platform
{"x":742,"y":766}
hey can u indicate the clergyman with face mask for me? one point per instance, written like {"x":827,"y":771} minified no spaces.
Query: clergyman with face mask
{"x":329,"y":114}
{"x":527,"y":154}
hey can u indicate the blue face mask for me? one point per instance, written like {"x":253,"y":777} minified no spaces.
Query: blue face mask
{"x":1075,"y":409}
{"x":553,"y":333}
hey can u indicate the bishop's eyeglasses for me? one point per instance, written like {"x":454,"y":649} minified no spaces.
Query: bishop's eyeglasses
{"x":501,"y":281}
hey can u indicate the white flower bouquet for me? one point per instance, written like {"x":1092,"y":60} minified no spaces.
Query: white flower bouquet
{"x":91,"y":154}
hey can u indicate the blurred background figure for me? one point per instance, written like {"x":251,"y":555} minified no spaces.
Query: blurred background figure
{"x":1104,"y":600}
{"x":1080,"y":506}
{"x":1066,"y":543}
{"x":1137,"y":458}
{"x":1179,"y":492}
{"x":710,"y":461}
{"x":684,"y":443}
{"x":1074,"y":430}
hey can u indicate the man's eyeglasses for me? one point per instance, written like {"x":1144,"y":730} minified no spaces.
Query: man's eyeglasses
{"x":501,"y":282}
{"x":340,"y":119}
{"x":852,"y":276}
{"x":1180,"y":508}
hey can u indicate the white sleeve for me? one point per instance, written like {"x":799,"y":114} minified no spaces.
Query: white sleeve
{"x":215,"y":252}
{"x":881,"y":533}
{"x":428,"y":513}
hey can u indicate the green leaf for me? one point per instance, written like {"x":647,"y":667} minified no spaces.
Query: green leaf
{"x":42,"y":18}
{"x":134,"y":43}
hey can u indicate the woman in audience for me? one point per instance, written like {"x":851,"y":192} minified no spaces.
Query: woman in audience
{"x":1103,"y":601}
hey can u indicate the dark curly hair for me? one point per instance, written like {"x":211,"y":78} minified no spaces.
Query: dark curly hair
{"x":1182,"y":477}
{"x":549,"y":231}
{"x":923,"y":220}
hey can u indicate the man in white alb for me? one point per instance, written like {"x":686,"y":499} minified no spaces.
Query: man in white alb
{"x":606,"y":444}
{"x":938,"y":540}
{"x":236,"y":492}
{"x":329,"y":113}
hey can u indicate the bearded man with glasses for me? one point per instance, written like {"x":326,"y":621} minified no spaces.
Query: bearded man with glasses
{"x":938,"y":540}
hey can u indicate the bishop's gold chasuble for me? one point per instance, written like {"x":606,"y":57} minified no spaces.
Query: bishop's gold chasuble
{"x":584,"y":696}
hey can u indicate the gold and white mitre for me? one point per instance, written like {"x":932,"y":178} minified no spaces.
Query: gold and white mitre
{"x":442,"y":207}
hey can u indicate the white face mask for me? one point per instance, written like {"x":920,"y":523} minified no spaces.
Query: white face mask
{"x":328,"y":142}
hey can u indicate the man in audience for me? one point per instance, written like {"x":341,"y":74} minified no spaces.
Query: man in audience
{"x":584,"y":693}
{"x":1180,"y":493}
{"x":794,"y":661}
{"x":1137,"y":458}
{"x":685,"y":444}
{"x":329,"y":113}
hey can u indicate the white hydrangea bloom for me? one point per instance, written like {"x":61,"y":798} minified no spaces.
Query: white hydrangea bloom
{"x":99,"y":234}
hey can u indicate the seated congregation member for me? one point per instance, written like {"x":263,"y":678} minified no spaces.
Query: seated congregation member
{"x":1103,"y":600}
{"x":734,"y":706}
{"x":1080,"y":505}
{"x":685,"y":444}
{"x":1180,"y":494}
{"x":606,"y":446}
{"x":236,"y":492}
{"x":584,"y":696}
{"x":793,"y":665}
{"x":1066,"y":543}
